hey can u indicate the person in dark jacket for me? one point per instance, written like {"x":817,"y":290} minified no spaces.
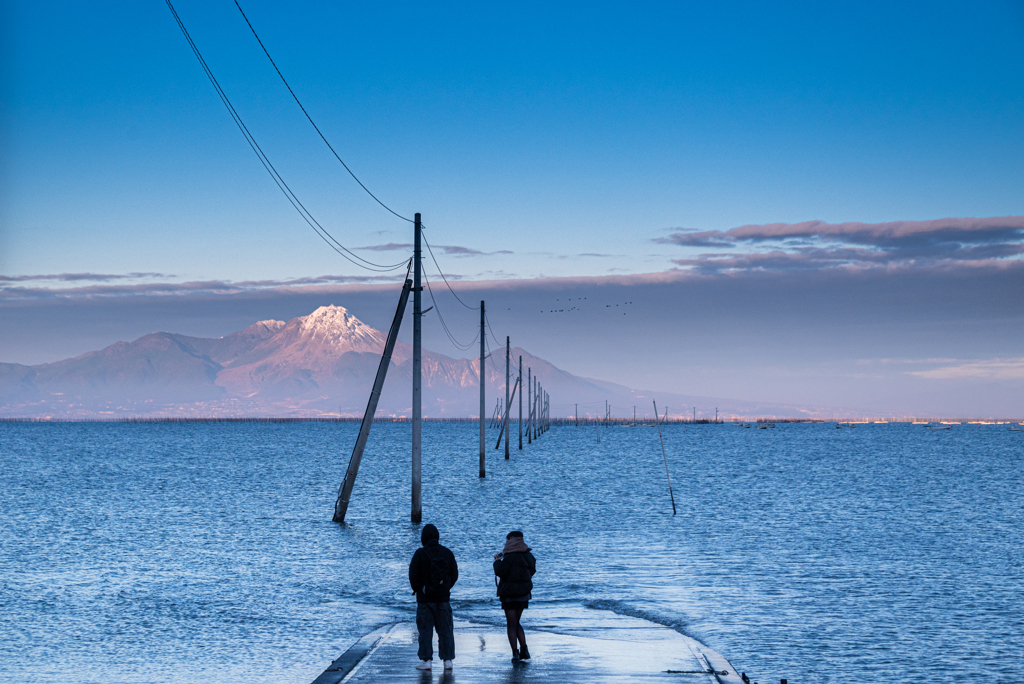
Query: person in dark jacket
{"x":515,"y":567}
{"x":432,"y":574}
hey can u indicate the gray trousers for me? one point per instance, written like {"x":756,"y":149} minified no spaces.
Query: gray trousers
{"x":435,"y":616}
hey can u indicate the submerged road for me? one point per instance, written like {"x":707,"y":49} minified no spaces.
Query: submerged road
{"x":632,"y":651}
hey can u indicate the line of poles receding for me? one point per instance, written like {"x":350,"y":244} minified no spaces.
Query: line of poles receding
{"x":538,"y":401}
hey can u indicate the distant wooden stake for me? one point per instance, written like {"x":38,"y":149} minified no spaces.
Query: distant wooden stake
{"x":665,"y":457}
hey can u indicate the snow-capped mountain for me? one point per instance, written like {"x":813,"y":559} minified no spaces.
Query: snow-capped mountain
{"x":322,"y":364}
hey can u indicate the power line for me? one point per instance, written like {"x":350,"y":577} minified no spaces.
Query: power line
{"x":315,"y":127}
{"x":277,"y":178}
{"x":447,"y":331}
{"x":431,"y":252}
{"x":488,"y":319}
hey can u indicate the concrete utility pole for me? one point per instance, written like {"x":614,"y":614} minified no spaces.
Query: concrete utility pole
{"x":520,"y":402}
{"x":508,"y":407}
{"x":529,"y":403}
{"x":536,"y":387}
{"x":483,"y":466}
{"x":417,"y":379}
{"x":345,"y":490}
{"x":536,"y":397}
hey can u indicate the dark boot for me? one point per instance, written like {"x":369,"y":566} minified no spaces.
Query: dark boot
{"x":515,"y":655}
{"x":524,"y":653}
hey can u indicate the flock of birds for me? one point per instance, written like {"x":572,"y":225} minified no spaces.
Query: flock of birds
{"x":576,"y":307}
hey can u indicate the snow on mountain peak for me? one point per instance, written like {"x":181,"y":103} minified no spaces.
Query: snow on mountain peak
{"x":335,"y":325}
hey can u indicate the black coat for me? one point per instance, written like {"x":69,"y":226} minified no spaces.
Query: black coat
{"x":514,"y":571}
{"x":419,"y":570}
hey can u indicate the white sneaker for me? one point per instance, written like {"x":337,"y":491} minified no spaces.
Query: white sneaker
{"x":448,"y":664}
{"x":425,"y":665}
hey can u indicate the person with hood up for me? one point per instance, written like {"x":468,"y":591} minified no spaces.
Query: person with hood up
{"x":515,"y":567}
{"x":432,"y":573}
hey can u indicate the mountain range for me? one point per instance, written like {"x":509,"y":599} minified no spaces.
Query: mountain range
{"x":320,"y":365}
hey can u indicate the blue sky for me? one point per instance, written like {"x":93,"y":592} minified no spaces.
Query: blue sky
{"x":579,"y":140}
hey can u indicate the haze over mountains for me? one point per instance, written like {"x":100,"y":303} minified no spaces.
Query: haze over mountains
{"x":318,"y":365}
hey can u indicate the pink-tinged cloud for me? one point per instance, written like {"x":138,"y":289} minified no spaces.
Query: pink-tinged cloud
{"x":816,"y":244}
{"x":81,"y":277}
{"x":451,"y":250}
{"x":988,"y":369}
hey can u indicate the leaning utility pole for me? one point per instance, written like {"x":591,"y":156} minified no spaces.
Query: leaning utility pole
{"x":520,"y":402}
{"x":483,"y":467}
{"x":417,"y":372}
{"x":508,"y":407}
{"x":345,"y":490}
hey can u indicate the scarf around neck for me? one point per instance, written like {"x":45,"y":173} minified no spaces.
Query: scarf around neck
{"x":515,"y":545}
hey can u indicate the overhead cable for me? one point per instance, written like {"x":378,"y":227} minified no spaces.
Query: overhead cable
{"x":315,"y":127}
{"x":427,"y":242}
{"x":277,"y":178}
{"x":447,"y":331}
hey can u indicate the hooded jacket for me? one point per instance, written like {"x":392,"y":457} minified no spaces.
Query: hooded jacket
{"x":514,"y":572}
{"x":419,"y":570}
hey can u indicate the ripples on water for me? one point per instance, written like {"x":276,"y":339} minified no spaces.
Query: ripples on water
{"x":205,"y":552}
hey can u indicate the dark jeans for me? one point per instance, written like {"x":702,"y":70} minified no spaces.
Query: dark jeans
{"x":435,"y":616}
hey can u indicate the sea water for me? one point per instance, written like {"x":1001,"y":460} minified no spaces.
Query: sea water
{"x":198,"y":552}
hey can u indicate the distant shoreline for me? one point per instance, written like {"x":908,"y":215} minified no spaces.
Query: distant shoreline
{"x":561,"y":422}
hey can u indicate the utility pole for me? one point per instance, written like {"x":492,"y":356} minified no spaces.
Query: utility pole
{"x":577,"y":415}
{"x":536,"y":407}
{"x":508,"y":408}
{"x":483,"y":463}
{"x":529,"y":403}
{"x":345,"y":490}
{"x":417,"y":372}
{"x":520,"y":402}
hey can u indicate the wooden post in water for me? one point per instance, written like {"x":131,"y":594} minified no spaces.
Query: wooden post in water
{"x":667,"y":477}
{"x":520,"y":383}
{"x":345,"y":490}
{"x":483,"y":382}
{"x":417,"y":378}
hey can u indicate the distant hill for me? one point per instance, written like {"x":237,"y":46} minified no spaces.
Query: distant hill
{"x":318,"y":365}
